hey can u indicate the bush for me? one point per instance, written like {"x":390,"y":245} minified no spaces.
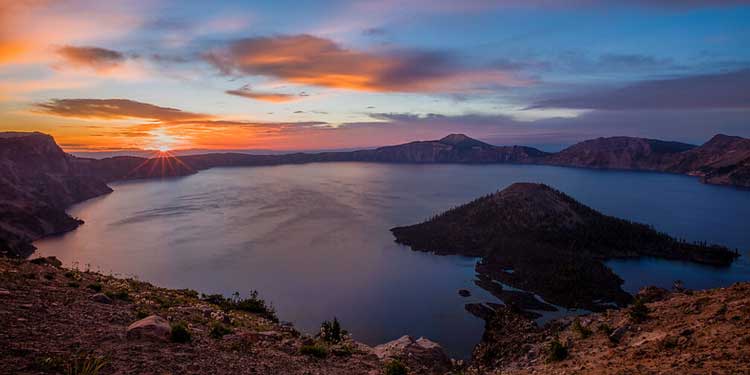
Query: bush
{"x":119,"y":294}
{"x":314,"y":350}
{"x":580,"y":330}
{"x":331,"y":332}
{"x":605,"y":329}
{"x":180,"y":333}
{"x":395,"y":367}
{"x":95,"y":287}
{"x":556,"y":351}
{"x":73,"y":284}
{"x":218,"y":330}
{"x":638,"y":311}
{"x":49,"y":275}
{"x":252,"y":304}
{"x":85,"y":364}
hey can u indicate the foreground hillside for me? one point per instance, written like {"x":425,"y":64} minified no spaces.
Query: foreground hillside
{"x":53,"y":319}
{"x":679,"y":332}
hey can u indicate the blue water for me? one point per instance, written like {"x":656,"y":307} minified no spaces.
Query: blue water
{"x":314,"y":239}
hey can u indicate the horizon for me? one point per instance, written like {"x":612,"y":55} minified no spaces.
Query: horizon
{"x":331,"y":76}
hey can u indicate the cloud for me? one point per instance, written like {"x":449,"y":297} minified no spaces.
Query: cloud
{"x":722,"y":90}
{"x":96,"y":58}
{"x":311,"y":60}
{"x":246,"y":92}
{"x":114,"y":109}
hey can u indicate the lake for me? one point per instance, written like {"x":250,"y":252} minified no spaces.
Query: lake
{"x":314,"y":239}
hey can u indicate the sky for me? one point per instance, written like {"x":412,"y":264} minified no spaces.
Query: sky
{"x":312,"y":75}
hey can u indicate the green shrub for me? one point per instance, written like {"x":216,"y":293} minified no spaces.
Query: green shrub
{"x":605,"y":329}
{"x":395,"y":367}
{"x":253,"y":304}
{"x":638,"y":311}
{"x":86,"y":364}
{"x":73,"y":284}
{"x":218,"y":330}
{"x":140,"y":314}
{"x":49,"y":275}
{"x":556,"y":351}
{"x":180,"y":333}
{"x":95,"y":287}
{"x":118,"y":294}
{"x":331,"y":332}
{"x":314,"y":350}
{"x":580,"y":330}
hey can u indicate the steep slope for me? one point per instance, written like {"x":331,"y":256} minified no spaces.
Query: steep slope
{"x":37,"y":182}
{"x":553,"y":244}
{"x":722,"y":160}
{"x":620,"y":153}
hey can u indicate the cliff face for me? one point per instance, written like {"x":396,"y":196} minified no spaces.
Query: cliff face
{"x":553,"y":244}
{"x":37,"y":182}
{"x":723,"y":160}
{"x":620,"y":153}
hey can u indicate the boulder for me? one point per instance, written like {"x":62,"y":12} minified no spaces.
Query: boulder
{"x":464,"y":293}
{"x":421,"y":355}
{"x":151,"y":327}
{"x":101,"y":298}
{"x":619,"y":332}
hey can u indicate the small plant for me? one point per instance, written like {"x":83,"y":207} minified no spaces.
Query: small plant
{"x":86,"y":364}
{"x":314,"y":350}
{"x":180,"y":333}
{"x":638,"y":311}
{"x":556,"y":351}
{"x":49,"y":275}
{"x":140,"y":314}
{"x":395,"y":367}
{"x":331,"y":332}
{"x":580,"y":330}
{"x":95,"y":287}
{"x":605,"y":329}
{"x":73,"y":284}
{"x":218,"y":330}
{"x":253,"y":304}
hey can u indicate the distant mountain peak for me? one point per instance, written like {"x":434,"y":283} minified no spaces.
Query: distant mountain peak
{"x":456,"y":138}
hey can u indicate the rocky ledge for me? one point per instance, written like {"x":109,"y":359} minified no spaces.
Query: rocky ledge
{"x":54,"y":320}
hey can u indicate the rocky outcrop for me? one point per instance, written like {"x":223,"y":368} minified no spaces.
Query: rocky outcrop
{"x":151,"y":327}
{"x":420,"y":356}
{"x":38,"y":181}
{"x":538,"y":239}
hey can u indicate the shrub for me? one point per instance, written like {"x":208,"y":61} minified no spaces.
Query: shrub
{"x":605,"y":329}
{"x":218,"y":330}
{"x":314,"y":350}
{"x":118,"y":294}
{"x":556,"y":351}
{"x":252,"y":304}
{"x":49,"y":275}
{"x":395,"y":367}
{"x":73,"y":284}
{"x":638,"y":311}
{"x":85,"y":364}
{"x":95,"y":287}
{"x":580,"y":330}
{"x":180,"y":333}
{"x":331,"y":332}
{"x":140,"y":314}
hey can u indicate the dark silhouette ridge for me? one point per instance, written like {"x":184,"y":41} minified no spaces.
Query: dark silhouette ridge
{"x":553,"y":244}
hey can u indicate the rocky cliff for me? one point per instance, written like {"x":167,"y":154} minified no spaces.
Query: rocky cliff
{"x":535,"y":238}
{"x":37,"y":182}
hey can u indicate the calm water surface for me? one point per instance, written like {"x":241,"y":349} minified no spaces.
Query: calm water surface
{"x":314,"y":239}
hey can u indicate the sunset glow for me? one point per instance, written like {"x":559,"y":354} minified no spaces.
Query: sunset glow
{"x":168,"y":75}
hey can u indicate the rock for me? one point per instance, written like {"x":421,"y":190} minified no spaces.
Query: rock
{"x":421,"y":355}
{"x":464,"y":293}
{"x":652,"y":294}
{"x":101,"y":298}
{"x":151,"y":327}
{"x":4,"y":292}
{"x":480,"y":310}
{"x":620,"y":331}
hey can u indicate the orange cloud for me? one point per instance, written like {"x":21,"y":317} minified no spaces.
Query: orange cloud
{"x":96,"y":58}
{"x":245,"y":92}
{"x":310,"y":60}
{"x":114,"y":109}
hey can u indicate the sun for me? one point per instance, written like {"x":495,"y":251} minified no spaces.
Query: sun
{"x":163,"y":148}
